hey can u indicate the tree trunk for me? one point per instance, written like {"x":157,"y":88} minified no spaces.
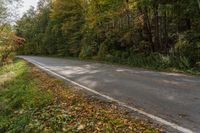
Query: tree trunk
{"x":148,"y":28}
{"x":156,"y":30}
{"x":178,"y":16}
{"x":165,"y":31}
{"x":198,"y":1}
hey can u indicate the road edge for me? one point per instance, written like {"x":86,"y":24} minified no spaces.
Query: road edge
{"x":153,"y":117}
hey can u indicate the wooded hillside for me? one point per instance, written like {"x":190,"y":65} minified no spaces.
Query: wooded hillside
{"x":147,"y":33}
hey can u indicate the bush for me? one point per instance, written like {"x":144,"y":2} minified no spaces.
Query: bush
{"x":103,"y":51}
{"x":187,"y":49}
{"x":88,"y":51}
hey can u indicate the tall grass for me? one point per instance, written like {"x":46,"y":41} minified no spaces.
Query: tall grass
{"x":19,"y":97}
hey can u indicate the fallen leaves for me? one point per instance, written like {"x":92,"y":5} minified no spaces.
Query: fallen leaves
{"x":72,"y":111}
{"x":81,"y":127}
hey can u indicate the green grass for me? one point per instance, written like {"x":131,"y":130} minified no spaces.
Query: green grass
{"x":32,"y":101}
{"x":19,"y":97}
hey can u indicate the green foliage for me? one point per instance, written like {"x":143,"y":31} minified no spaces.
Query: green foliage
{"x":87,"y":52}
{"x":115,"y":30}
{"x":19,"y":97}
{"x":188,"y":47}
{"x":8,"y":44}
{"x":103,"y":51}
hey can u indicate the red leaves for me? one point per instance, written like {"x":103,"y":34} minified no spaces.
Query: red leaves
{"x":17,"y":40}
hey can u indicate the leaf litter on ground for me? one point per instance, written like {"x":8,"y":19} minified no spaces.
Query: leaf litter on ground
{"x":78,"y":113}
{"x":37,"y":102}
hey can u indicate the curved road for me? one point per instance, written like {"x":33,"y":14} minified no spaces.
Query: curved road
{"x":172,"y":97}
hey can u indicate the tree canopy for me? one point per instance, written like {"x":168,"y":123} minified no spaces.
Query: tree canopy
{"x":115,"y":30}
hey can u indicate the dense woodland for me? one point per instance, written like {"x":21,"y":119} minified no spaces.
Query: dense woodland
{"x":142,"y":33}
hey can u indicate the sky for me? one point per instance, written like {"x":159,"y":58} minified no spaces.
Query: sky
{"x":26,"y":5}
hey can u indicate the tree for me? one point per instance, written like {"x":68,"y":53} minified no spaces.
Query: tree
{"x":198,"y":1}
{"x":113,"y":29}
{"x":7,"y":39}
{"x":67,"y":16}
{"x":6,"y":14}
{"x":9,"y":42}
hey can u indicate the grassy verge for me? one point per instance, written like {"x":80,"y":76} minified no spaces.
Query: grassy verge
{"x":31,"y":101}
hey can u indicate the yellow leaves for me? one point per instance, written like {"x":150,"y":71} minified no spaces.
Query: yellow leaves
{"x":64,"y":130}
{"x":98,"y":129}
{"x":126,"y":121}
{"x":81,"y":127}
{"x":75,"y":112}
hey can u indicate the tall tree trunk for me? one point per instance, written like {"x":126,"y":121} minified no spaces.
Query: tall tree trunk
{"x":165,"y":31}
{"x":198,"y":1}
{"x":178,"y":17}
{"x":156,"y":21}
{"x":148,"y":28}
{"x":127,"y":13}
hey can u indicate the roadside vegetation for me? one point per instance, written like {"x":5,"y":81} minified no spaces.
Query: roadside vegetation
{"x":9,"y":41}
{"x":32,"y":101}
{"x":161,"y":35}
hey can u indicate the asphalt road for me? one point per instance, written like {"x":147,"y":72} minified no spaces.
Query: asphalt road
{"x":172,"y":97}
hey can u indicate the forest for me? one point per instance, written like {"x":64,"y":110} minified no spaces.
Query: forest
{"x":50,"y":81}
{"x":157,"y":34}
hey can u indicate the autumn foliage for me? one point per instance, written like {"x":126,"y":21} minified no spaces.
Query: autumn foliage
{"x":9,"y":43}
{"x":143,"y":33}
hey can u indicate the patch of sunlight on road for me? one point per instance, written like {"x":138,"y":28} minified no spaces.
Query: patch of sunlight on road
{"x":6,"y":77}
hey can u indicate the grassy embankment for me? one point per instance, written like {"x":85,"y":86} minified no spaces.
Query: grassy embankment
{"x":32,"y":101}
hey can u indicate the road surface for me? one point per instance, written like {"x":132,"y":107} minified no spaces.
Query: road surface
{"x":172,"y":97}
